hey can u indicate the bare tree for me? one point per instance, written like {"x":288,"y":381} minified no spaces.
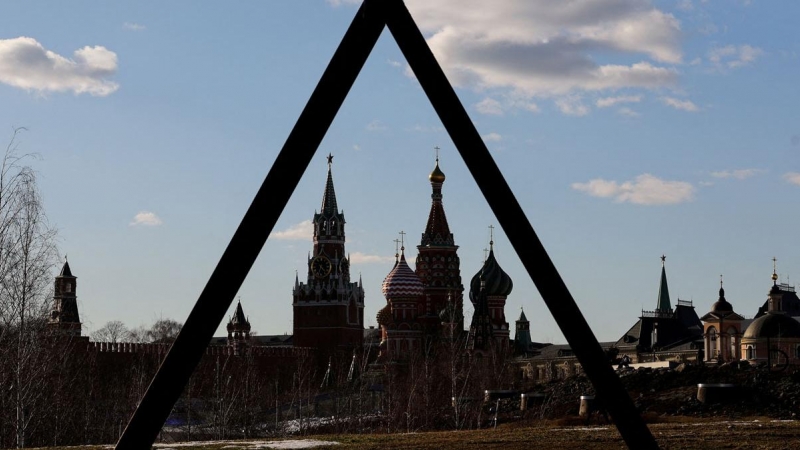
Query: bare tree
{"x":164,"y":331}
{"x":113,"y":331}
{"x":27,"y":257}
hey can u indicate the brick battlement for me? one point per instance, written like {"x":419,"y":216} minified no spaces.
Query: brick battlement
{"x":147,"y":348}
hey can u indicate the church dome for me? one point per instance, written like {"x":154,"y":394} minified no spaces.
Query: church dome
{"x":773,"y":325}
{"x":498,"y":283}
{"x":384,"y":316}
{"x":437,"y":176}
{"x":721,"y":305}
{"x":402,"y":282}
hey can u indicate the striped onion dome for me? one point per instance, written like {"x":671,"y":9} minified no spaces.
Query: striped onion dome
{"x":402,"y":282}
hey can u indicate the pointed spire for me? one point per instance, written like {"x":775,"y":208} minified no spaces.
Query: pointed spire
{"x":65,"y":270}
{"x":437,"y":231}
{"x":329,"y":207}
{"x":664,"y":304}
{"x":522,"y":317}
{"x":296,"y":280}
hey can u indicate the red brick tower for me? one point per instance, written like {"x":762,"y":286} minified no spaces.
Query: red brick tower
{"x":64,"y":317}
{"x":437,"y":263}
{"x":328,"y":307}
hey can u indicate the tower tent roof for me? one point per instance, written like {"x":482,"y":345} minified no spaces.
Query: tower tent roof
{"x":437,"y":231}
{"x":65,"y":271}
{"x":663,"y":290}
{"x":329,"y":207}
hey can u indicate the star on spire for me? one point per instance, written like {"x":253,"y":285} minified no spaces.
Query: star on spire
{"x":330,"y":159}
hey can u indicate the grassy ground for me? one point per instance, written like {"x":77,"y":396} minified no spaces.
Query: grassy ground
{"x":682,"y":433}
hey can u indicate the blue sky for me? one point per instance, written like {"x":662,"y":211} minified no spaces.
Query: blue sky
{"x":627,"y":129}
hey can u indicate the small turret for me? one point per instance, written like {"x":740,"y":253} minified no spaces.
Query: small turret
{"x":64,"y":317}
{"x":238,"y":330}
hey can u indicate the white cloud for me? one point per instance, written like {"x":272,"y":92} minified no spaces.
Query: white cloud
{"x":376,"y":125}
{"x":302,"y":231}
{"x":572,"y":106}
{"x":489,"y":106}
{"x":547,"y":48}
{"x":146,"y":218}
{"x":685,"y":5}
{"x":356,"y":147}
{"x":363,"y":258}
{"x":492,"y":137}
{"x":611,"y":101}
{"x":792,"y":177}
{"x":739,"y":174}
{"x":706,"y":183}
{"x":394,"y":63}
{"x":627,"y":112}
{"x":133,"y":26}
{"x":684,"y":105}
{"x":732,"y":56}
{"x":26,"y":64}
{"x":645,"y":189}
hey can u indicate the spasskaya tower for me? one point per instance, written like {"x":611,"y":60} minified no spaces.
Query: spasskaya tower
{"x":328,"y":307}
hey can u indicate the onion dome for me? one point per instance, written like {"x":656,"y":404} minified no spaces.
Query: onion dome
{"x":384,"y":316}
{"x":498,"y":283}
{"x":402,"y":282}
{"x":721,"y":305}
{"x":773,"y":325}
{"x":437,"y":176}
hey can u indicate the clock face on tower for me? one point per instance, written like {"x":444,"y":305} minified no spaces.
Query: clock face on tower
{"x":321,"y":266}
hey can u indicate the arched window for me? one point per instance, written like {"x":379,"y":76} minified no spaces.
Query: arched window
{"x":751,"y":352}
{"x":797,"y":352}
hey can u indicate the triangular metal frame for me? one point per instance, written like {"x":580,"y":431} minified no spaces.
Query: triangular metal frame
{"x":285,"y":174}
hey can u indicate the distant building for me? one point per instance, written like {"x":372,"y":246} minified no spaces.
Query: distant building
{"x":772,"y":337}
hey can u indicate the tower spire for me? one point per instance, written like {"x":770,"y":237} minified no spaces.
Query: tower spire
{"x":774,"y":271}
{"x":329,"y":207}
{"x":664,"y":304}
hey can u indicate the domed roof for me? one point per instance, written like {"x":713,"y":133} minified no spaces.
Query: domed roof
{"x":722,"y":305}
{"x":437,"y":176}
{"x":402,"y":282}
{"x":773,"y":325}
{"x":384,"y":315}
{"x":498,"y":283}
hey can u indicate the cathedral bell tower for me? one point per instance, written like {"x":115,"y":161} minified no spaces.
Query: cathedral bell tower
{"x":64,"y":318}
{"x":437,"y":263}
{"x":328,"y":307}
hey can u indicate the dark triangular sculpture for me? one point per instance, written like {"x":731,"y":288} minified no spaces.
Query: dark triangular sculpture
{"x":285,"y":174}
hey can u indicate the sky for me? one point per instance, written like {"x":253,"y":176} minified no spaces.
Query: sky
{"x":626,"y":129}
